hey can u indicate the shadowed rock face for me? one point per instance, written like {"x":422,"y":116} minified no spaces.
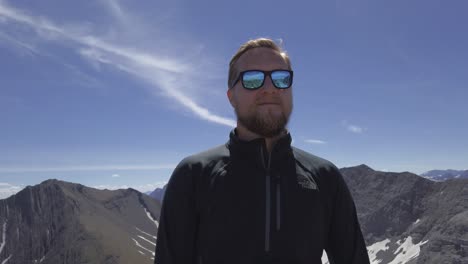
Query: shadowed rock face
{"x":428,"y":217}
{"x":60,"y":222}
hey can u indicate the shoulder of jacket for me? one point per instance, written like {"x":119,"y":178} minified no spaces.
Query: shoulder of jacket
{"x":195,"y":168}
{"x":209,"y":155}
{"x":205,"y":158}
{"x":313,"y":163}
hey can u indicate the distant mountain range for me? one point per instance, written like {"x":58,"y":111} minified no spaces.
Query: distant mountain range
{"x":442,"y":175}
{"x":60,"y":222}
{"x":158,"y":193}
{"x":406,"y":218}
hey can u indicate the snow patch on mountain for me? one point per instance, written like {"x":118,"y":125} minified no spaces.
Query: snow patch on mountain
{"x":373,"y":249}
{"x":39,"y":261}
{"x":7,"y":259}
{"x":145,"y":239}
{"x":150,"y":217}
{"x":142,"y":247}
{"x":148,"y":240}
{"x":325,"y":258}
{"x":2,"y":245}
{"x":143,"y":232}
{"x":3,"y":237}
{"x":407,"y":251}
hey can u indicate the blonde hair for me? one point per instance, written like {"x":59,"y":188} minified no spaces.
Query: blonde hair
{"x":251,"y":44}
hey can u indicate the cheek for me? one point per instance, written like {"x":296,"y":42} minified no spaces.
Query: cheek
{"x":290,"y":101}
{"x":245,"y":99}
{"x":287,"y":98}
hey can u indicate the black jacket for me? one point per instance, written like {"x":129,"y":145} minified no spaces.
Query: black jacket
{"x":237,"y":204}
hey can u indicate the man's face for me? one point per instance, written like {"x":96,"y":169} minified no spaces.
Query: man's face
{"x":264,"y":111}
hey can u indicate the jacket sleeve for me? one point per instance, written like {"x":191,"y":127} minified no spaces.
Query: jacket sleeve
{"x":345,"y":242}
{"x":176,"y":236}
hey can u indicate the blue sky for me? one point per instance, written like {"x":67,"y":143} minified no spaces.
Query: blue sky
{"x":114,"y":93}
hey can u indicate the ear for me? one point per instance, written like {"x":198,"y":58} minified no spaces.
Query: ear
{"x":230,"y":96}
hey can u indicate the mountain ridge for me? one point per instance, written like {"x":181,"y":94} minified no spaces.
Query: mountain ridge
{"x":429,"y":218}
{"x":64,"y":222}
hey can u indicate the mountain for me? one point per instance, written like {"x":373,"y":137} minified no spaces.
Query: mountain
{"x":158,"y":194}
{"x":61,"y":222}
{"x":442,"y":175}
{"x":406,"y":218}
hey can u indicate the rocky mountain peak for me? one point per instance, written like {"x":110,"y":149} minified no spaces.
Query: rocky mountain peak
{"x":62,"y":222}
{"x":404,"y":216}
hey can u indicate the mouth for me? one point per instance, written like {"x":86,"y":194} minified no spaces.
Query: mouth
{"x":268,"y":103}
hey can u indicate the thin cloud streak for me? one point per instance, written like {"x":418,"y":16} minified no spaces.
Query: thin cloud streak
{"x":42,"y":24}
{"x":20,"y":44}
{"x":353,"y":128}
{"x":115,"y":9}
{"x":315,"y":141}
{"x":120,"y":57}
{"x":166,"y":84}
{"x":88,"y":168}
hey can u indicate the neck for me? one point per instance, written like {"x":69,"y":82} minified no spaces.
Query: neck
{"x":247,"y":135}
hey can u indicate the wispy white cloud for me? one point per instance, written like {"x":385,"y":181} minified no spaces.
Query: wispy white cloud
{"x":115,"y":176}
{"x":353,"y":128}
{"x":22,"y":47}
{"x":315,"y":141}
{"x":170,"y":75}
{"x":88,"y":168}
{"x":115,"y":9}
{"x":6,"y":190}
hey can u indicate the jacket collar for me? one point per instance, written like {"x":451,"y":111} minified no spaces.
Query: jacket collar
{"x":254,"y":150}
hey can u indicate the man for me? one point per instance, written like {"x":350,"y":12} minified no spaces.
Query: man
{"x":257,"y":199}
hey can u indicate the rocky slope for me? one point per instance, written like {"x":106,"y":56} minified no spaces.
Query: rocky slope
{"x":60,"y":222}
{"x":409,"y":219}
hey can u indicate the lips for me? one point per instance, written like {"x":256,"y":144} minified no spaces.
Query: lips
{"x":268,"y":100}
{"x":268,"y":103}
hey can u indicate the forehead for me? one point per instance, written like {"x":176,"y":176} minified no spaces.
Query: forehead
{"x":261,"y":59}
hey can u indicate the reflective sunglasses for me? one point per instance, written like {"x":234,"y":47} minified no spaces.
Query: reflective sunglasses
{"x":254,"y":79}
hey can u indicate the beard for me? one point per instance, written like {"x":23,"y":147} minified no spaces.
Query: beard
{"x":267,"y":124}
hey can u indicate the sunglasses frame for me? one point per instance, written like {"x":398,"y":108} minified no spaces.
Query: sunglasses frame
{"x":266,"y":74}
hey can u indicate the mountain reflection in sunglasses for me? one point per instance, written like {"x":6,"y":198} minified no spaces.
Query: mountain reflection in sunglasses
{"x":254,"y":79}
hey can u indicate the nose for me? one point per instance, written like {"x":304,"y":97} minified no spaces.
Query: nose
{"x":268,"y":85}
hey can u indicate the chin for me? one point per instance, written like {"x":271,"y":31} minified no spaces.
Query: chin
{"x":272,"y":112}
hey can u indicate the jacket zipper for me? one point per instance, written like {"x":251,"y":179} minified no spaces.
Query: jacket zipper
{"x":278,"y":203}
{"x":268,"y":201}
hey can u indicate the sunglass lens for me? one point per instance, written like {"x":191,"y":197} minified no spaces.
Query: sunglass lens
{"x":253,"y":79}
{"x":281,"y":79}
